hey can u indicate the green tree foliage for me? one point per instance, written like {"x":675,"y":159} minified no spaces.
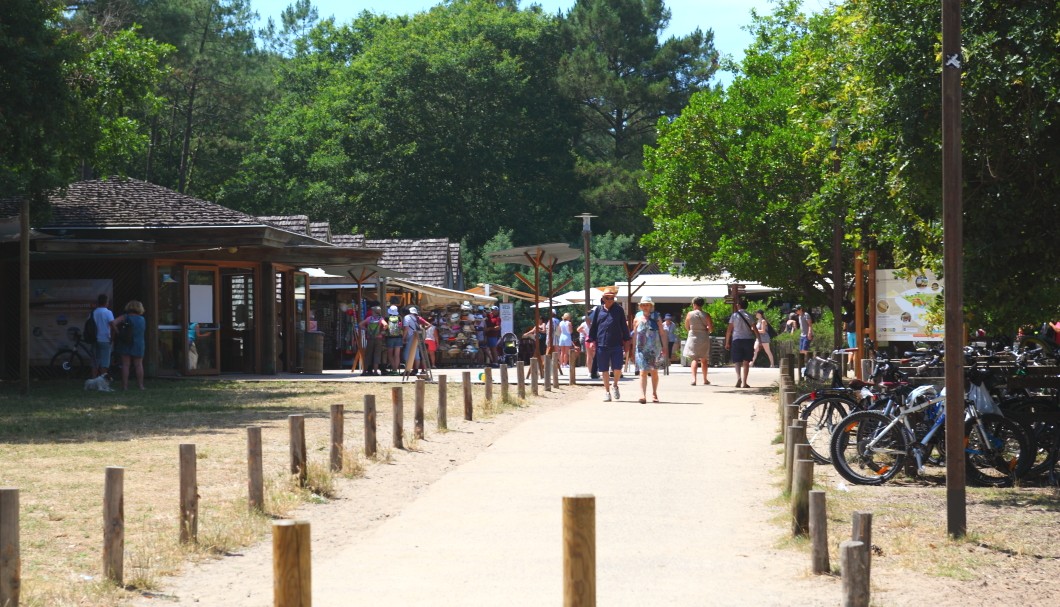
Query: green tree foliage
{"x":624,"y":79}
{"x":446,"y":123}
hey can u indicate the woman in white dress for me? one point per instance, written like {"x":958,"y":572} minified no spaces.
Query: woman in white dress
{"x":699,"y":325}
{"x":565,"y":341}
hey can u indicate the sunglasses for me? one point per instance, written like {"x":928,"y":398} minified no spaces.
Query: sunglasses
{"x":608,"y":298}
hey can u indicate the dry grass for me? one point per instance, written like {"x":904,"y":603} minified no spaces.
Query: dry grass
{"x":55,"y":445}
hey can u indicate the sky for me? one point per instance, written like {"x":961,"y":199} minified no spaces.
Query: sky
{"x":725,"y":17}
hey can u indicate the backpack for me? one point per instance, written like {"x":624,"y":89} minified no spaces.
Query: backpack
{"x":88,"y":335}
{"x":125,"y":333}
{"x":770,"y":330}
{"x":394,"y":328}
{"x":1047,"y":334}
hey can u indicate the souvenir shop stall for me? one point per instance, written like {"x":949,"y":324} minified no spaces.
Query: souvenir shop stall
{"x":457,"y":318}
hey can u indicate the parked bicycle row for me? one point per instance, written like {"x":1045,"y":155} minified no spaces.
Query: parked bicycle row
{"x":872,"y":430}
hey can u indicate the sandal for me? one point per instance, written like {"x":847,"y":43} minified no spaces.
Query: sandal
{"x":739,"y":383}
{"x":693,"y":383}
{"x":641,"y":401}
{"x":706,"y":383}
{"x":654,"y":398}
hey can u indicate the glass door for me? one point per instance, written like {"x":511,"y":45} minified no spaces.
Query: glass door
{"x":238,"y":346}
{"x":201,"y":321}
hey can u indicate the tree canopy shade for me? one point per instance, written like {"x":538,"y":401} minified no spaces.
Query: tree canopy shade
{"x":448,"y":122}
{"x":624,"y":79}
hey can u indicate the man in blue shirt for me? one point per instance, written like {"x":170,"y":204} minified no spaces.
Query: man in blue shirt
{"x":610,"y":332}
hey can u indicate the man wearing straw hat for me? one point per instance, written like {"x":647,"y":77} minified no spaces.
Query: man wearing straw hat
{"x":610,"y":332}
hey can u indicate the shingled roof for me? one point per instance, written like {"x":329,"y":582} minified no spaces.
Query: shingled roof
{"x":130,"y":203}
{"x":348,"y":240}
{"x":425,"y":261}
{"x":299,"y":224}
{"x":320,"y":230}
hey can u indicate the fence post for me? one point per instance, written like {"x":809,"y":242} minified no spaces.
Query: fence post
{"x":443,"y":398}
{"x":255,"y":470}
{"x":579,"y":551}
{"x":398,"y":427}
{"x":296,"y":428}
{"x":10,"y":561}
{"x":369,"y":425}
{"x":548,"y":372}
{"x":819,"y":532}
{"x":572,"y":373}
{"x":291,"y":566}
{"x":189,"y":495}
{"x":520,"y":378}
{"x":504,"y":383}
{"x":337,"y":420}
{"x":487,"y":376}
{"x":417,"y":416}
{"x":554,"y":370}
{"x":800,"y":492}
{"x":468,"y":405}
{"x":114,"y":524}
{"x":855,"y":573}
{"x":534,"y":372}
{"x":796,"y":436}
{"x":862,"y":532}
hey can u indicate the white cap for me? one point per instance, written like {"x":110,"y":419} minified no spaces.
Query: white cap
{"x":413,"y":310}
{"x":392,"y":310}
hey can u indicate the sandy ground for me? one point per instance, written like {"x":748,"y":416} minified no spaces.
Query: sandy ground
{"x":686,"y":512}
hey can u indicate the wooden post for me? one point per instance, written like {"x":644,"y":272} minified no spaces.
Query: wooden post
{"x":417,"y":420}
{"x":819,"y":533}
{"x":791,"y":358}
{"x":189,"y":496}
{"x":791,"y":413}
{"x":579,"y":551}
{"x":487,"y":376}
{"x":291,"y":564}
{"x":296,"y":427}
{"x":255,"y":470}
{"x":10,"y":560}
{"x":398,"y":428}
{"x":800,"y":493}
{"x":855,"y":574}
{"x":796,"y":436}
{"x":782,"y":406}
{"x":534,"y":370}
{"x":572,"y":373}
{"x":369,"y":425}
{"x":468,"y":405}
{"x":504,"y":383}
{"x":520,"y":378}
{"x":862,"y":532}
{"x":337,"y":420}
{"x":114,"y":524}
{"x":443,"y":399}
{"x":555,"y":372}
{"x":548,"y":372}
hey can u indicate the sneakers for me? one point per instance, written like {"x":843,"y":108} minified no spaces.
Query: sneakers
{"x":614,"y":391}
{"x":607,"y":397}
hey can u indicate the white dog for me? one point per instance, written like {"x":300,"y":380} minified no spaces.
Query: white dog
{"x":101,"y":383}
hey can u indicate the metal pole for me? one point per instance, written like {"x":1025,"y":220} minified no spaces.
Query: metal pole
{"x":586,"y":240}
{"x":837,"y":260}
{"x":952,"y":225}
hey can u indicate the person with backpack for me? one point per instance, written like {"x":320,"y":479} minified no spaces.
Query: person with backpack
{"x":129,"y":329}
{"x":97,"y":332}
{"x":394,"y":338}
{"x":375,"y":328}
{"x":739,"y":340}
{"x":766,"y":333}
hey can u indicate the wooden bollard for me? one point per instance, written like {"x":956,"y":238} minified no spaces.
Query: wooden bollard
{"x":468,"y":404}
{"x":337,"y":421}
{"x":796,"y":436}
{"x":255,"y":471}
{"x":520,"y":379}
{"x":398,"y":427}
{"x":189,"y":495}
{"x":782,"y":404}
{"x":114,"y":524}
{"x":792,"y":362}
{"x":548,"y":372}
{"x":800,"y":493}
{"x":534,"y":371}
{"x":862,"y":532}
{"x":296,"y":426}
{"x":291,"y":564}
{"x":10,"y":560}
{"x":555,"y":372}
{"x":504,"y":383}
{"x":791,"y":413}
{"x":855,"y":571}
{"x":443,"y":402}
{"x":487,"y":378}
{"x":819,"y":533}
{"x":369,"y":425}
{"x":579,"y":551}
{"x":572,"y":373}
{"x":418,"y":415}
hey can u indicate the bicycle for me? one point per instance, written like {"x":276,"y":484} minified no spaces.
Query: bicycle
{"x":870,"y":447}
{"x":69,"y":361}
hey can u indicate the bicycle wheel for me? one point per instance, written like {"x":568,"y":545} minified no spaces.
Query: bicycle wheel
{"x":1044,"y":434}
{"x":865,"y":451}
{"x":997,"y":451}
{"x":68,"y":362}
{"x":822,"y":416}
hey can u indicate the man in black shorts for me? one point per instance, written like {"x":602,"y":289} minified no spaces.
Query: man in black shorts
{"x":740,"y":341}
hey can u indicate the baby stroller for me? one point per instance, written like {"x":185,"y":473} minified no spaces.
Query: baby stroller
{"x":509,"y":349}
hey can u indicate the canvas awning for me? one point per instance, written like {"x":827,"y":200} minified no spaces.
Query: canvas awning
{"x":431,"y":296}
{"x":665,"y":288}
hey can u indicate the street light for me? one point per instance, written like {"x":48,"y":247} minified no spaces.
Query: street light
{"x":586,"y":236}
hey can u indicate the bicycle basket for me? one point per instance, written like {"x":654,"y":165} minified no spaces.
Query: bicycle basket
{"x":820,"y":369}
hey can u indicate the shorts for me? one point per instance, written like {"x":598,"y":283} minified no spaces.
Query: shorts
{"x":432,"y":346}
{"x":852,"y":339}
{"x":102,"y":354}
{"x":493,"y":341}
{"x":394,"y":342}
{"x":742,"y":350}
{"x":804,"y":344}
{"x":609,"y":358}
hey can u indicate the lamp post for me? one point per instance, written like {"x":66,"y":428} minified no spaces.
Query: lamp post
{"x":586,"y":236}
{"x":837,"y":261}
